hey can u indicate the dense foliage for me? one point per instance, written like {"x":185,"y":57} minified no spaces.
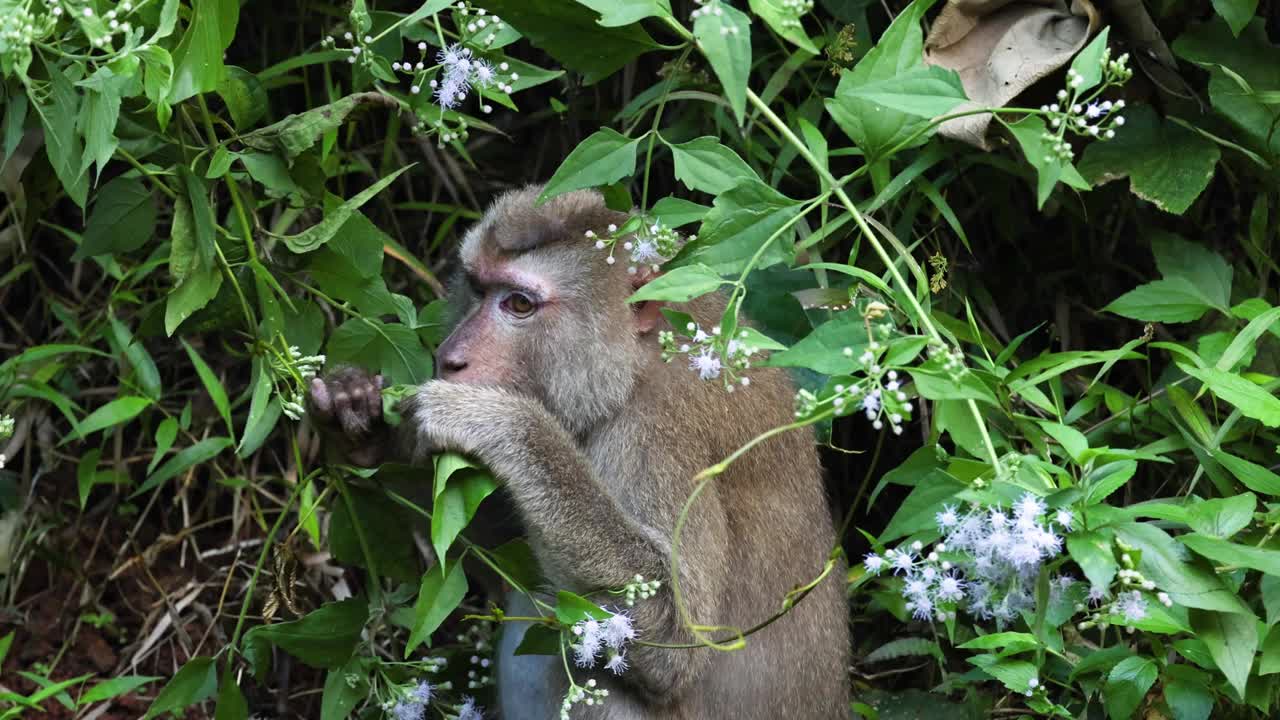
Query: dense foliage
{"x":1048,"y":400}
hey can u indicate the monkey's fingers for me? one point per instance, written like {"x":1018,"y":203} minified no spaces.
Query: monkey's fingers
{"x":373,"y":399}
{"x":321,"y":400}
{"x":353,"y":412}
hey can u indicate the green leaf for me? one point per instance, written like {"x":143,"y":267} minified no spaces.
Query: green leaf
{"x":144,"y":367}
{"x":784,"y":20}
{"x":926,"y":91}
{"x":1165,"y":563}
{"x":1091,"y":549}
{"x":1236,"y":66}
{"x":1270,"y":664}
{"x":63,"y":145}
{"x":539,"y":640}
{"x":1072,"y":441}
{"x":823,"y":349}
{"x":341,"y":697}
{"x":186,"y":458}
{"x":123,"y":219}
{"x":386,"y":527}
{"x":602,"y":159}
{"x":616,"y":13}
{"x":679,"y":285}
{"x":1223,"y":517}
{"x":264,"y":413}
{"x":99,"y":112}
{"x":1203,"y":268}
{"x":231,"y":703}
{"x":1237,"y":13}
{"x":743,"y":219}
{"x":120,"y":410}
{"x":724,"y":36}
{"x":393,"y":350}
{"x":1127,"y":683}
{"x":1229,"y":553}
{"x":572,"y":609}
{"x":1255,"y":477}
{"x":115,"y":687}
{"x":456,"y":503}
{"x":1232,"y":640}
{"x":192,"y":294}
{"x":1244,"y":343}
{"x":570,"y":34}
{"x":1009,"y":642}
{"x":1186,"y":691}
{"x":706,"y":165}
{"x":197,"y":59}
{"x":272,"y":173}
{"x":244,"y":96}
{"x":1172,"y":300}
{"x":917,"y":511}
{"x":874,"y":128}
{"x":166,"y":432}
{"x":197,"y":680}
{"x":297,"y":133}
{"x":323,"y":231}
{"x":1088,"y":62}
{"x":323,"y":638}
{"x":1014,"y":674}
{"x":212,"y":385}
{"x":438,"y":595}
{"x":1251,"y":399}
{"x":1050,"y":168}
{"x":1166,"y":163}
{"x":1103,"y":480}
{"x":677,"y":212}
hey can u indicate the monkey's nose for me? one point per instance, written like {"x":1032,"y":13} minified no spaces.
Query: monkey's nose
{"x":451,"y":366}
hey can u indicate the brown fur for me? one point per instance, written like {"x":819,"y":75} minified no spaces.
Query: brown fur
{"x":597,"y":441}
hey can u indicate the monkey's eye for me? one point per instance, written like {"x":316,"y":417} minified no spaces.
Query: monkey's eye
{"x":519,"y":304}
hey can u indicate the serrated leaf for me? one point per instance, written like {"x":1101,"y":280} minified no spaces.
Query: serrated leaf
{"x":602,"y":159}
{"x":706,"y":165}
{"x":1173,"y":300}
{"x":1127,"y":683}
{"x":679,"y":285}
{"x":900,"y":648}
{"x":925,"y":91}
{"x":743,"y":219}
{"x":1221,"y":517}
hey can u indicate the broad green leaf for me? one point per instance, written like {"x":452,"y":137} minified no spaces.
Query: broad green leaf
{"x":874,"y":128}
{"x":1270,"y":663}
{"x":704,"y":164}
{"x":123,"y":219}
{"x":1165,"y":562}
{"x":1088,"y":62}
{"x":679,"y":285}
{"x":193,"y":293}
{"x":617,"y":13}
{"x":186,"y":458}
{"x":388,"y":533}
{"x":1234,"y":64}
{"x":63,"y":144}
{"x":99,"y":113}
{"x":323,"y":231}
{"x":572,"y":609}
{"x":539,"y":640}
{"x":1091,"y":549}
{"x":197,"y":60}
{"x":1202,"y":267}
{"x":785,"y":20}
{"x":1166,"y":163}
{"x":1244,"y":343}
{"x":271,"y":172}
{"x":115,"y":687}
{"x":1237,"y":13}
{"x":677,"y":212}
{"x":723,"y":34}
{"x":323,"y":638}
{"x":264,"y":413}
{"x":1072,"y":441}
{"x":393,"y":350}
{"x":1186,"y":690}
{"x":212,"y":385}
{"x":197,"y":680}
{"x":602,"y":159}
{"x":89,"y":476}
{"x":456,"y":505}
{"x":1014,"y":674}
{"x":823,"y":349}
{"x":926,"y":91}
{"x":166,"y":433}
{"x":438,"y":595}
{"x":1127,"y":683}
{"x":1234,"y":554}
{"x":341,"y":697}
{"x":1255,"y":477}
{"x":231,"y":703}
{"x":1029,"y":132}
{"x":917,"y":511}
{"x":1232,"y":640}
{"x":1251,"y":399}
{"x":296,"y":133}
{"x":743,"y":219}
{"x":120,"y":410}
{"x":570,"y":33}
{"x":1009,"y":642}
{"x":1223,"y":517}
{"x":1172,"y":300}
{"x":1103,"y":480}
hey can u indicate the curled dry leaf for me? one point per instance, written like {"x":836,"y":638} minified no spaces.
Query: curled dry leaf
{"x":1000,"y":48}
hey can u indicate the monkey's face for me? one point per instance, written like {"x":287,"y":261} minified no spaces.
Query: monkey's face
{"x":540,"y":312}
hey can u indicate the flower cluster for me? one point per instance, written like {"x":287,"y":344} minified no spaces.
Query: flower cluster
{"x":478,"y":637}
{"x":412,"y":704}
{"x":469,"y":710}
{"x":587,"y":694}
{"x":608,"y":636}
{"x":647,"y":243}
{"x":711,"y":355}
{"x":460,"y":71}
{"x":987,"y":563}
{"x":1130,"y":604}
{"x":358,"y":52}
{"x":291,"y":372}
{"x":640,"y":589}
{"x":879,"y":395}
{"x":1085,"y":114}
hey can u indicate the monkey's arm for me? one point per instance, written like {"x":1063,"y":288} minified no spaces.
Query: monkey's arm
{"x":581,"y":535}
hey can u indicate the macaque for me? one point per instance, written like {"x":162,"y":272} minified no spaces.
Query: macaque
{"x":556,"y":383}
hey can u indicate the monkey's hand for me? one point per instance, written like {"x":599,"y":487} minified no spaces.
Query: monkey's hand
{"x":346,"y":407}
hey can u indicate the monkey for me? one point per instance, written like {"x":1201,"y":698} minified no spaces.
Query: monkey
{"x":553,"y":380}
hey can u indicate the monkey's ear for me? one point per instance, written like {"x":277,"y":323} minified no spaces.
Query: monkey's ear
{"x":649,"y":312}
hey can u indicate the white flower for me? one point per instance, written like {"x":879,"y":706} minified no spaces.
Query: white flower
{"x":871,"y":403}
{"x":902,"y":561}
{"x":617,"y":664}
{"x":921,"y":608}
{"x":483,"y":73}
{"x":469,"y":711}
{"x":1133,"y":606}
{"x":1097,"y":594}
{"x":916,"y":588}
{"x":950,"y":588}
{"x":618,"y":631}
{"x":998,"y":519}
{"x":1065,"y":518}
{"x":1093,"y":111}
{"x":1029,"y":506}
{"x":706,"y":363}
{"x":583,"y":656}
{"x":947,"y":518}
{"x":872,"y":562}
{"x":645,"y":252}
{"x":1163,"y":597}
